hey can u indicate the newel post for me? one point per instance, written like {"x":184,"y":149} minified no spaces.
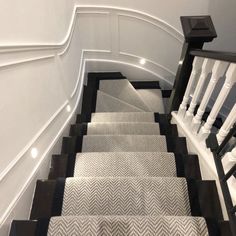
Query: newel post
{"x":197,"y":30}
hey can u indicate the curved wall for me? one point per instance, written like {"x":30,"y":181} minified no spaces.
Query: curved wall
{"x":39,"y":81}
{"x":44,"y":58}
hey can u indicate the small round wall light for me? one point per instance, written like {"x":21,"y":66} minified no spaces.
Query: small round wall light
{"x":142,"y":61}
{"x":34,"y":152}
{"x":68,"y":108}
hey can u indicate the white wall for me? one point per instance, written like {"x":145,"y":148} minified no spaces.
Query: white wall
{"x":224,"y":18}
{"x":32,"y":21}
{"x":38,"y":82}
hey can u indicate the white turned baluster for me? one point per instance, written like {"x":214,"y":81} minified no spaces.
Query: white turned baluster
{"x":218,"y":71}
{"x":229,"y":82}
{"x":224,"y":130}
{"x":229,"y":160}
{"x":206,"y":69}
{"x":197,"y":65}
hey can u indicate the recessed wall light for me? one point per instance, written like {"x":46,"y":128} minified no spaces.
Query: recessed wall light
{"x":34,"y":152}
{"x":142,"y":61}
{"x":68,"y":108}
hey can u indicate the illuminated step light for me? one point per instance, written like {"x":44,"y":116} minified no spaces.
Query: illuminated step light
{"x":68,"y":108}
{"x":34,"y":152}
{"x":142,"y":61}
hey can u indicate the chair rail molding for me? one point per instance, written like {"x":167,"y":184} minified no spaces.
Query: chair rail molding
{"x":65,"y":64}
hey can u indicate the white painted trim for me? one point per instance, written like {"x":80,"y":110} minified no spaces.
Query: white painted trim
{"x":150,"y":61}
{"x":31,"y":142}
{"x":84,"y":51}
{"x":206,"y":153}
{"x":32,"y":59}
{"x":133,"y":65}
{"x":53,"y":51}
{"x":77,"y":9}
{"x":25,"y":186}
{"x":205,"y":159}
{"x":173,"y":33}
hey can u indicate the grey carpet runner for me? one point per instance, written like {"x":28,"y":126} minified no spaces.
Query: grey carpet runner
{"x":126,"y":196}
{"x":153,"y":99}
{"x":128,"y":226}
{"x":123,"y":117}
{"x":123,"y":90}
{"x":118,"y":164}
{"x":123,"y":128}
{"x":124,"y":143}
{"x":125,"y":182}
{"x":107,"y":103}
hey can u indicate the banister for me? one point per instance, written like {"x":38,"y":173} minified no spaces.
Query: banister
{"x":231,"y":133}
{"x":216,"y":55}
{"x":216,"y":149}
{"x":197,"y":30}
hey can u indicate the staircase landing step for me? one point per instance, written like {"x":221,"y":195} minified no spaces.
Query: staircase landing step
{"x":153,"y":98}
{"x":107,"y":103}
{"x":124,"y":91}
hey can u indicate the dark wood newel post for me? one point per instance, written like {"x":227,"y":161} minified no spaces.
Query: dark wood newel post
{"x":197,"y":30}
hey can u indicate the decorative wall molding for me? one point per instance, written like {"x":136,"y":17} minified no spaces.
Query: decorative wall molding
{"x":62,"y":47}
{"x":172,"y":73}
{"x":31,"y":142}
{"x":157,"y":23}
{"x":30,"y":53}
{"x":90,"y":9}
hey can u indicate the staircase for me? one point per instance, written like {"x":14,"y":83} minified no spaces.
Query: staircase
{"x":123,"y":171}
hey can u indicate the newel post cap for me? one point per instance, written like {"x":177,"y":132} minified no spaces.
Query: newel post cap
{"x":198,"y":28}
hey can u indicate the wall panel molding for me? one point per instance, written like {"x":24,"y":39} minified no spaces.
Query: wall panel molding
{"x":26,"y":56}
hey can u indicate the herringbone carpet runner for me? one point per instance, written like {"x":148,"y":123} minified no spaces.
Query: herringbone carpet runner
{"x":124,"y":172}
{"x":128,"y":226}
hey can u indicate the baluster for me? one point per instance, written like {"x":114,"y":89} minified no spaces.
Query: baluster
{"x":206,"y":69}
{"x":229,"y":82}
{"x":197,"y":65}
{"x":224,"y":130}
{"x":229,"y":160}
{"x":218,"y":71}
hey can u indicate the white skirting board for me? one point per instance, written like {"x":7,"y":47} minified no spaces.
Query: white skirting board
{"x":206,"y":161}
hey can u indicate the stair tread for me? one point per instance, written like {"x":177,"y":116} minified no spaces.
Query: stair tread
{"x":123,"y":90}
{"x":128,"y":225}
{"x":125,"y":164}
{"x":126,"y":196}
{"x":122,"y":128}
{"x":123,"y":117}
{"x":153,"y":99}
{"x":125,"y":143}
{"x":107,"y":103}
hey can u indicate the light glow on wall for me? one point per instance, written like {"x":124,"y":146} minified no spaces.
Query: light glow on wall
{"x":68,"y":108}
{"x":34,"y":152}
{"x":142,"y":61}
